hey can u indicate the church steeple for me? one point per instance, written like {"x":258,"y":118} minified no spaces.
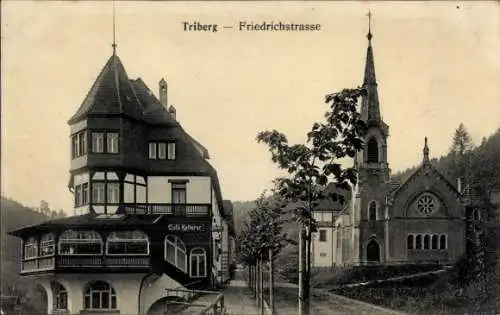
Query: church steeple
{"x":373,"y":158}
{"x":370,"y":109}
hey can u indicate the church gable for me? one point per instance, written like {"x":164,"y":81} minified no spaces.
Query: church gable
{"x":426,"y":194}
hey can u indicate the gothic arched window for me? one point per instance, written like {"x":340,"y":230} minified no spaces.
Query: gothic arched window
{"x":372,"y":211}
{"x":409,"y":240}
{"x":434,"y":242}
{"x":442,"y":241}
{"x":372,"y":152}
{"x":418,"y":242}
{"x":427,"y":241}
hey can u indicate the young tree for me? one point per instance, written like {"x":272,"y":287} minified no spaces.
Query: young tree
{"x":312,"y":165}
{"x":262,"y":239}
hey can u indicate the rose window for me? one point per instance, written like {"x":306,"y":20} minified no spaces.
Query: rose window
{"x":426,"y":204}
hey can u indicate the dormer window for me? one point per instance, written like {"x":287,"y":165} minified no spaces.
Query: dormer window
{"x":162,"y":150}
{"x":105,"y":142}
{"x":78,"y":144}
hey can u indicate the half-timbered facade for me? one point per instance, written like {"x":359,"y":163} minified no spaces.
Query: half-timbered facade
{"x":149,"y":213}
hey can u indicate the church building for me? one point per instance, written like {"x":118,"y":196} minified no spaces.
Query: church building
{"x":421,"y":220}
{"x":149,"y":213}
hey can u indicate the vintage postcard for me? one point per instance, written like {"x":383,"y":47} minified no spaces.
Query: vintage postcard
{"x":250,"y":157}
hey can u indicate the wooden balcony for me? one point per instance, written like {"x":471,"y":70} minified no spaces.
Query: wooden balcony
{"x":61,"y":262}
{"x":191,"y":210}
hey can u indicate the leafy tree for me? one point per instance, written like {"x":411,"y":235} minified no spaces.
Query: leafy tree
{"x":312,"y":165}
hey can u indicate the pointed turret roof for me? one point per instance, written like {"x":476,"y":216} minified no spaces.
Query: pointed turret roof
{"x":111,"y":94}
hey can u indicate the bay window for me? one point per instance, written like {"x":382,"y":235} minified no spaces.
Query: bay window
{"x":47,"y":245}
{"x":31,"y":248}
{"x":73,"y":242}
{"x":127,"y":243}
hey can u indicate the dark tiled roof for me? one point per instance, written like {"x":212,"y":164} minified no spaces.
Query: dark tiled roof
{"x":156,"y":114}
{"x":94,"y":220}
{"x":425,"y":166}
{"x":111,"y":93}
{"x":329,"y":204}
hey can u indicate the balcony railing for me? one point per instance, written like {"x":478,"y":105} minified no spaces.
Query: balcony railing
{"x":168,"y":208}
{"x":84,"y":261}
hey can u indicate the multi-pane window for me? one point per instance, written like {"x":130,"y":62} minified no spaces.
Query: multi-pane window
{"x":113,"y":192}
{"x":198,"y":265}
{"x":178,"y":193}
{"x":99,"y":295}
{"x":98,"y":191}
{"x":175,"y":252}
{"x":106,"y":192}
{"x":152,"y":150}
{"x":127,"y":243}
{"x":31,"y":248}
{"x":60,"y":296}
{"x":81,"y":194}
{"x":78,"y":144}
{"x":112,"y":142}
{"x":97,"y":142}
{"x":47,"y":245}
{"x":426,"y":242}
{"x":162,"y":150}
{"x":105,"y":142}
{"x":322,"y":235}
{"x":80,"y":243}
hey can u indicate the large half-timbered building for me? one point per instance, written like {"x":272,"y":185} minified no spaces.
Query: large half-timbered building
{"x":149,"y":213}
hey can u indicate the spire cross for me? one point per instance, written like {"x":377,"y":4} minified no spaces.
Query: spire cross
{"x":114,"y":29}
{"x":369,"y":36}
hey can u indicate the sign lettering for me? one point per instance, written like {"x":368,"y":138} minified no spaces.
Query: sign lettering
{"x":186,"y":227}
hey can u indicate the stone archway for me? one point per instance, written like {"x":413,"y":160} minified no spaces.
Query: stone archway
{"x":373,"y":251}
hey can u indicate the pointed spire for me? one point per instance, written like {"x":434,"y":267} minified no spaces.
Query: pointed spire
{"x":426,"y":152}
{"x":114,"y":30}
{"x":370,"y":108}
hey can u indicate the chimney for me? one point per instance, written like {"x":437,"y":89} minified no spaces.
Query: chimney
{"x":172,"y":112}
{"x":163,"y":93}
{"x":459,"y":184}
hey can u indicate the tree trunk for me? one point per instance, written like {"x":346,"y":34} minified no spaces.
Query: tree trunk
{"x":257,"y":286}
{"x":261,"y":288}
{"x":303,"y":305}
{"x":271,"y":282}
{"x":308,"y":269}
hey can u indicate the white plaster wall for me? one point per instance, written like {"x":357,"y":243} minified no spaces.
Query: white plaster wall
{"x":197,"y":189}
{"x":154,"y":289}
{"x":323,"y":247}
